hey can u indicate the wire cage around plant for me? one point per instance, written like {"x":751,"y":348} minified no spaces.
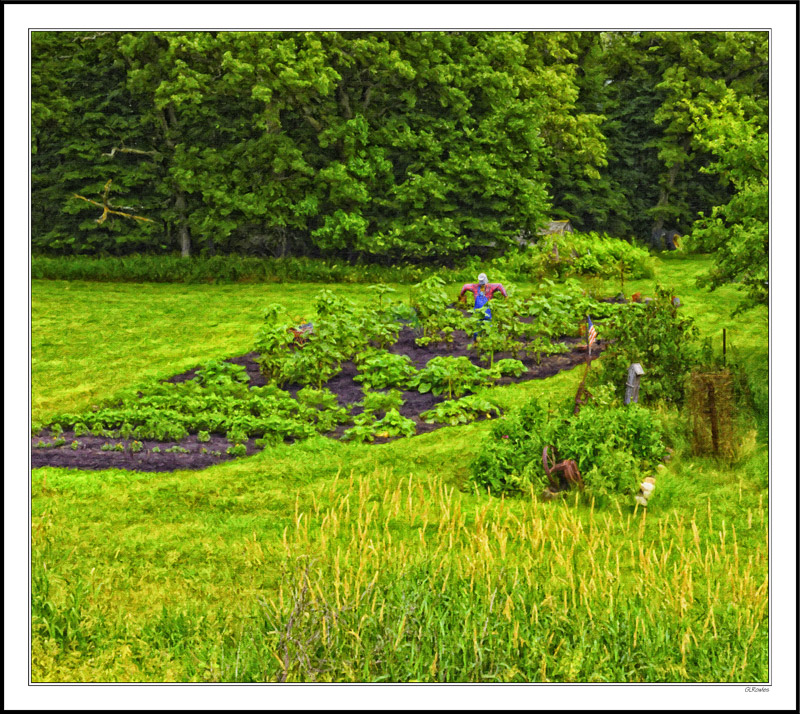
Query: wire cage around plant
{"x":712,"y":407}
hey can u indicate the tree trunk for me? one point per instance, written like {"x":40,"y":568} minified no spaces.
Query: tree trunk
{"x":183,"y":230}
{"x":180,"y":197}
{"x":663,"y":200}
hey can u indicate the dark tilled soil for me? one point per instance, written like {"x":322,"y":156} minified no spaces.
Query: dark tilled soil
{"x":88,"y":453}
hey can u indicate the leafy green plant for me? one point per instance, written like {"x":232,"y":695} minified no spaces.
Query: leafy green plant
{"x":379,"y":369}
{"x":455,"y":375}
{"x":440,"y":327}
{"x":429,"y":298}
{"x":317,"y":398}
{"x":314,"y":364}
{"x":380,"y":329}
{"x":380,"y":290}
{"x":219,"y":372}
{"x":156,"y":450}
{"x":542,"y":345}
{"x":507,"y":368}
{"x":395,"y":424}
{"x":136,"y":446}
{"x":585,"y":254}
{"x":176,"y":450}
{"x":491,"y":340}
{"x":363,"y":428}
{"x":503,"y":463}
{"x":459,"y":411}
{"x":272,"y":343}
{"x":237,"y":450}
{"x":203,"y":436}
{"x":381,"y":401}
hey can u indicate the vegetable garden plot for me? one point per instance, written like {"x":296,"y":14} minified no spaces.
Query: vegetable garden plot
{"x":361,"y":376}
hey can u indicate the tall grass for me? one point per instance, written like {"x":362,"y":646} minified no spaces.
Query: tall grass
{"x":382,"y":577}
{"x":400,"y":583}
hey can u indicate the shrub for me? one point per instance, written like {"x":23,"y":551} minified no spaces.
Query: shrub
{"x":611,"y":446}
{"x":503,"y":463}
{"x":237,"y":450}
{"x":583,"y":254}
{"x":657,"y":336}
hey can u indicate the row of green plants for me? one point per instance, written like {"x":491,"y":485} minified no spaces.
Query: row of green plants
{"x":531,"y":263}
{"x":220,"y":400}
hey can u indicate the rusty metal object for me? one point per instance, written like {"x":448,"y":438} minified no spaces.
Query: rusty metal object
{"x":561,"y":474}
{"x":301,"y":333}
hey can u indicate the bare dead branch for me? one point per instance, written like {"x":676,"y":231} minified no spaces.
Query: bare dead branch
{"x":124,"y":150}
{"x":107,"y":208}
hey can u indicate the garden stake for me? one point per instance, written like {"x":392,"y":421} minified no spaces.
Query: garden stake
{"x":724,"y":346}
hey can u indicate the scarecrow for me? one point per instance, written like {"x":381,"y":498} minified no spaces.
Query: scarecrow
{"x":483,"y":291}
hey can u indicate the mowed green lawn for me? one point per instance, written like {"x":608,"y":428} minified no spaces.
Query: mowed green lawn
{"x":340,"y":562}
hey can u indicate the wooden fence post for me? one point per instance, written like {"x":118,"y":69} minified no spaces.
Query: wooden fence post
{"x":635,"y":373}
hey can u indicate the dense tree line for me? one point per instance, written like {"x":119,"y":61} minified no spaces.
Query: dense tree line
{"x":393,"y":145}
